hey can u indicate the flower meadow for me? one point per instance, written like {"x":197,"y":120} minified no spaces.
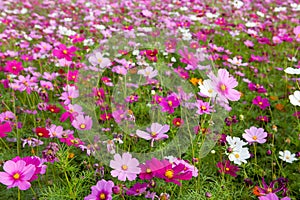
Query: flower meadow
{"x":144,"y":99}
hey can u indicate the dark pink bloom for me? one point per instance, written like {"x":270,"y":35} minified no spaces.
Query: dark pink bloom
{"x":174,"y":174}
{"x":72,"y":75}
{"x":256,"y":87}
{"x":13,"y":67}
{"x":263,"y":103}
{"x":188,"y":57}
{"x":203,"y":107}
{"x":64,"y":52}
{"x":17,"y":174}
{"x":168,"y":104}
{"x":226,"y":168}
{"x":137,"y":189}
{"x":76,"y":38}
{"x":4,"y":128}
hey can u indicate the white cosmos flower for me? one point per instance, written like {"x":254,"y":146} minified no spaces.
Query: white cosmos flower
{"x":295,"y":98}
{"x":237,"y":61}
{"x":239,"y":156}
{"x":291,"y":70}
{"x":287,"y":156}
{"x":235,"y":143}
{"x":207,"y":89}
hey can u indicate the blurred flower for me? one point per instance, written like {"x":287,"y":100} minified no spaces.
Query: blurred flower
{"x":231,"y":120}
{"x":256,"y":87}
{"x":155,"y":133}
{"x":295,"y":98}
{"x":82,"y":122}
{"x":263,"y":103}
{"x":203,"y":107}
{"x":49,"y":153}
{"x":281,"y":184}
{"x":169,"y":103}
{"x":98,"y":59}
{"x":5,"y":128}
{"x":42,"y":132}
{"x":137,"y":189}
{"x":226,"y":168}
{"x":63,"y":52}
{"x":287,"y":156}
{"x":125,"y":167}
{"x":13,"y":67}
{"x":102,"y":190}
{"x":177,"y":122}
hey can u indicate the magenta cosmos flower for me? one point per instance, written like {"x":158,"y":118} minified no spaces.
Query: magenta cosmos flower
{"x":203,"y":107}
{"x":168,"y":104}
{"x":263,"y":103}
{"x":150,"y":167}
{"x":255,"y":135}
{"x":223,"y":84}
{"x":125,"y":167}
{"x":13,"y":67}
{"x":156,"y":132}
{"x":64,"y":52}
{"x":101,"y":191}
{"x":226,"y":168}
{"x":17,"y":174}
{"x":174,"y":173}
{"x":4,"y":128}
{"x":272,"y":196}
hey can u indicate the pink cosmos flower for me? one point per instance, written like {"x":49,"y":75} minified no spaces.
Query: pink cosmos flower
{"x":4,"y":128}
{"x":148,"y":72}
{"x":263,"y":103}
{"x":155,"y":133}
{"x":98,"y":59}
{"x":296,"y":31}
{"x":64,"y":52}
{"x":174,"y":173}
{"x":82,"y":122}
{"x":188,"y":57}
{"x":203,"y":107}
{"x":255,"y":135}
{"x":125,"y":167}
{"x":223,"y":84}
{"x":101,"y":191}
{"x":17,"y":174}
{"x":13,"y":67}
{"x":72,"y":75}
{"x":272,"y":196}
{"x":70,"y":92}
{"x":168,"y":104}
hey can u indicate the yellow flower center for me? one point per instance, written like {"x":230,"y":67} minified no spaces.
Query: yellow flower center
{"x":203,"y":108}
{"x":210,"y":91}
{"x":124,"y":167}
{"x":99,"y":60}
{"x":260,"y":103}
{"x":169,"y":173}
{"x":82,"y":126}
{"x":227,"y":169}
{"x":148,"y":171}
{"x":170,"y":103}
{"x":223,"y":87}
{"x":102,"y":196}
{"x":40,"y":134}
{"x":178,"y":123}
{"x":65,"y":51}
{"x":254,"y":137}
{"x":269,"y":190}
{"x":237,"y":155}
{"x":16,"y":176}
{"x":153,"y":134}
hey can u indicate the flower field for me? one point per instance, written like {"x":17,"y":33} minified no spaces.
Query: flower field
{"x":144,"y":99}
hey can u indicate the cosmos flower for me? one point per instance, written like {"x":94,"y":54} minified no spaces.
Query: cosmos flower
{"x":137,"y":189}
{"x":223,"y":84}
{"x":287,"y":156}
{"x":148,"y":72}
{"x":13,"y":67}
{"x":169,"y":103}
{"x":203,"y":107}
{"x":207,"y":89}
{"x":63,"y":52}
{"x":17,"y":174}
{"x":98,"y":59}
{"x":101,"y":191}
{"x":226,"y":168}
{"x":125,"y":167}
{"x":255,"y":135}
{"x":5,"y":128}
{"x":295,"y":98}
{"x":155,"y":133}
{"x":82,"y":122}
{"x":263,"y":103}
{"x":272,"y":196}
